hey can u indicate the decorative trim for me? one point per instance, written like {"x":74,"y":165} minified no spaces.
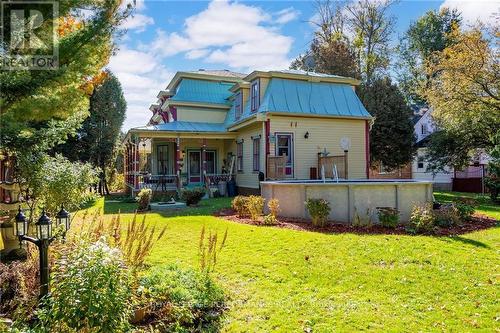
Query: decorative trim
{"x":240,"y":141}
{"x":256,"y":136}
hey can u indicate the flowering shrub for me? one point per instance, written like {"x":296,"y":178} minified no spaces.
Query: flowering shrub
{"x":90,"y":291}
{"x":422,"y":219}
{"x":144,"y":199}
{"x":239,"y":204}
{"x":255,"y":205}
{"x":447,"y":215}
{"x":388,"y":217}
{"x":318,"y":209}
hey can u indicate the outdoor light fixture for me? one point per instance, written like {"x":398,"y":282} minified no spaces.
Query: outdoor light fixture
{"x":44,"y":234}
{"x":20,"y":223}
{"x":63,"y":218}
{"x":306,"y":136}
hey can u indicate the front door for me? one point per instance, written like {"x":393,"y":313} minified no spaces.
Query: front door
{"x":194,"y":166}
{"x":284,"y":146}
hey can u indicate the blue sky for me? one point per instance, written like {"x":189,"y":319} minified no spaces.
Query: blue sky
{"x":168,"y":36}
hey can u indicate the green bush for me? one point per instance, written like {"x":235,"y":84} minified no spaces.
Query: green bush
{"x":192,"y":196}
{"x":178,"y":300}
{"x":465,"y":210}
{"x":388,"y":217}
{"x":422,"y":219}
{"x":239,"y":204}
{"x":447,"y":216}
{"x":255,"y":206}
{"x":90,"y":291}
{"x":274,"y":207}
{"x":318,"y":209}
{"x":144,"y":199}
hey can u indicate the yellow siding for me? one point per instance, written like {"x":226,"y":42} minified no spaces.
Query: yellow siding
{"x":201,"y":115}
{"x":323,"y":133}
{"x":248,"y":178}
{"x":263,"y":86}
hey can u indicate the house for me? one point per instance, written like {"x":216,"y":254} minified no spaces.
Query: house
{"x":210,"y":125}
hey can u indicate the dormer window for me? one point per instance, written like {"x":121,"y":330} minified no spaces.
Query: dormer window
{"x":254,"y":95}
{"x":238,"y":105}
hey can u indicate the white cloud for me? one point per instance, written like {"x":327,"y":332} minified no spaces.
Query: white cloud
{"x":286,"y":15}
{"x":197,"y":54}
{"x":472,"y":11}
{"x":141,"y":75}
{"x":137,"y":22}
{"x":235,"y":34}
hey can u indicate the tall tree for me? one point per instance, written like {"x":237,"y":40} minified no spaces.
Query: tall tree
{"x":430,"y":33}
{"x":464,"y":92}
{"x":96,"y":141}
{"x":371,"y":26}
{"x":36,"y":101}
{"x":392,"y":140}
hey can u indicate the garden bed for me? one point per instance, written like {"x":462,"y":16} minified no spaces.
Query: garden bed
{"x":477,"y":222}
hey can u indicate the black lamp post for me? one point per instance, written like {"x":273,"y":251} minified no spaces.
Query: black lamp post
{"x":44,"y":234}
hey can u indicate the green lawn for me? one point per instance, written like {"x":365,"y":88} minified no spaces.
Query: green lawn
{"x":292,"y":281}
{"x":486,"y":206}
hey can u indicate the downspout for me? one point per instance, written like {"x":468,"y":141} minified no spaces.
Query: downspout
{"x":367,"y":148}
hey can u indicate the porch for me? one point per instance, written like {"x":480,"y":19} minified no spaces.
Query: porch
{"x":167,"y":164}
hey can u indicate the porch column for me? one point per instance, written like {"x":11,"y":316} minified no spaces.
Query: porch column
{"x":178,"y":162}
{"x":204,"y":158}
{"x":136,"y":165}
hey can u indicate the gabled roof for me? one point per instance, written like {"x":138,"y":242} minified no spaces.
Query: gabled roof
{"x":184,"y":126}
{"x":201,"y":91}
{"x":308,"y":98}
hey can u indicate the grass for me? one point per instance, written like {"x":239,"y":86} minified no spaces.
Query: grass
{"x":291,"y":281}
{"x":486,"y":206}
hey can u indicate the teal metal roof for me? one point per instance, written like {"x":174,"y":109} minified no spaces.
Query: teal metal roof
{"x":203,"y":91}
{"x":185,"y":126}
{"x":304,"y":97}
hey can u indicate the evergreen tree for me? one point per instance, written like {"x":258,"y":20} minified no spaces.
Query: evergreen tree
{"x":392,"y":140}
{"x":97,"y":140}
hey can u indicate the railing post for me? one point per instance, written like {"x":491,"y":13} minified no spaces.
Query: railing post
{"x":346,"y":163}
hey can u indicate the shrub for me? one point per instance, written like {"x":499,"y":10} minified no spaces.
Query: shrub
{"x":447,"y":216}
{"x":422,"y":218}
{"x":90,"y":291}
{"x":465,"y":210}
{"x":192,"y":196}
{"x":255,"y":206}
{"x":135,"y":241}
{"x":274,"y":207}
{"x":180,"y":300}
{"x":270,"y":219}
{"x":239,"y":204}
{"x":144,"y":199}
{"x":318,"y":209}
{"x":19,"y":286}
{"x":388,"y":217}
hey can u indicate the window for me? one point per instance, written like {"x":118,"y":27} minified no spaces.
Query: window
{"x":238,"y":106}
{"x":162,"y":159}
{"x":239,"y":155}
{"x":256,"y":154}
{"x":254,"y":95}
{"x":420,"y":162}
{"x":210,"y":158}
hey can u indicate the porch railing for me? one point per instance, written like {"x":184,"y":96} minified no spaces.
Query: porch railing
{"x":158,"y":182}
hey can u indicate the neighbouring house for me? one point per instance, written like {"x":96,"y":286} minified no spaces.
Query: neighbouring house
{"x":471,"y":179}
{"x":210,"y":126}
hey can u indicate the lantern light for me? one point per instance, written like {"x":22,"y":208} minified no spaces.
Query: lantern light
{"x":20,"y":223}
{"x":44,"y":227}
{"x":64,"y":218}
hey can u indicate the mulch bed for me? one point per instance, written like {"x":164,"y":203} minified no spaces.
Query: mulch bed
{"x":478,"y":222}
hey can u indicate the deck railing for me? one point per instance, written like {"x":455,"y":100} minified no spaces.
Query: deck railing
{"x":158,"y":182}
